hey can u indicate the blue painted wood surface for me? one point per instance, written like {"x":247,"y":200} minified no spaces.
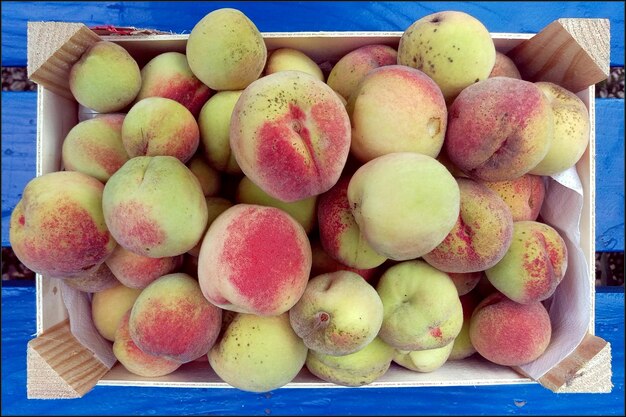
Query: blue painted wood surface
{"x":180,"y":17}
{"x":19,"y":113}
{"x":18,"y":327}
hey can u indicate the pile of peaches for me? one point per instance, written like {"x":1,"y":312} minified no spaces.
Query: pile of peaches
{"x":240,"y":206}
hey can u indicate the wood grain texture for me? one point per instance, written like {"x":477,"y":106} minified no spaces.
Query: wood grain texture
{"x":58,"y":366}
{"x":180,"y":17}
{"x":573,"y":53}
{"x":18,"y":324}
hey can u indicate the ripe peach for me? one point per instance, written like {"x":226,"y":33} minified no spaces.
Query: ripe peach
{"x":348,"y":72}
{"x":154,"y":206}
{"x":499,"y":129}
{"x":482,"y":233}
{"x":109,"y":306}
{"x":410,"y":218}
{"x":168,"y":75}
{"x":339,"y":232}
{"x":509,"y":333}
{"x":94,"y":147}
{"x":533,"y":266}
{"x":397,"y":109}
{"x":137,"y":271}
{"x":134,"y":359}
{"x":160,"y":126}
{"x":523,"y":195}
{"x":290,"y":134}
{"x":171,"y":318}
{"x":225,"y":50}
{"x":254,"y":259}
{"x":288,"y":59}
{"x":106,"y":78}
{"x":504,"y":67}
{"x":338,"y":314}
{"x":58,"y":227}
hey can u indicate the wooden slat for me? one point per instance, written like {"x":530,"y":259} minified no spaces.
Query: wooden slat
{"x":19,"y":112}
{"x":180,"y":17}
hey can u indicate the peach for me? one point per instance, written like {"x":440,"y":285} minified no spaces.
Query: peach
{"x":137,"y":271}
{"x":160,"y":126}
{"x":288,"y":59}
{"x":290,"y":134}
{"x":154,"y":207}
{"x":258,"y":354}
{"x":571,"y":130}
{"x":339,"y":232}
{"x":134,"y":359}
{"x":225,"y":50}
{"x":499,"y":129}
{"x":208,"y":177}
{"x":254,"y":259}
{"x":215,"y":207}
{"x":93,"y":281}
{"x":482,"y":233}
{"x":421,"y":307}
{"x":462,"y":346}
{"x":354,"y":370}
{"x":523,"y":195}
{"x":303,"y":211}
{"x":466,"y":281}
{"x":58,"y":228}
{"x":171,"y":318}
{"x":168,"y":75}
{"x":533,"y":266}
{"x":397,"y":109}
{"x":508,"y":333}
{"x":338,"y":314}
{"x":109,"y":306}
{"x":410,"y":218}
{"x":214,"y":124}
{"x":453,"y":48}
{"x":504,"y":67}
{"x":94,"y":147}
{"x":427,"y":360}
{"x":323,"y":263}
{"x":105,"y":78}
{"x":348,"y":72}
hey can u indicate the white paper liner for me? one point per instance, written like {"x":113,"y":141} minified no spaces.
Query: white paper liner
{"x":569,"y":307}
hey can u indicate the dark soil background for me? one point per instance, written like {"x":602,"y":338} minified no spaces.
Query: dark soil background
{"x":609,"y":265}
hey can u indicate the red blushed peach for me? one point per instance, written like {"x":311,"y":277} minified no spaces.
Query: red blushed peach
{"x":137,"y":271}
{"x":340,"y":234}
{"x":523,"y":195}
{"x":171,"y":318}
{"x":58,"y":228}
{"x":466,"y":281}
{"x":482,"y":233}
{"x":94,"y":147}
{"x":534,"y":264}
{"x":354,"y":66}
{"x":254,"y":259}
{"x":504,"y":67}
{"x":508,"y":333}
{"x":168,"y":75}
{"x":134,"y":359}
{"x":397,"y":109}
{"x":499,"y":129}
{"x":290,"y":135}
{"x":94,"y":281}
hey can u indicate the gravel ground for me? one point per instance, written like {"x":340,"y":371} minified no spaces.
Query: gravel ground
{"x":609,"y":265}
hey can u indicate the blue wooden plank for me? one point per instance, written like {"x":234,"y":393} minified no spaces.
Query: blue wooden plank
{"x":19,"y":146}
{"x":180,"y":17}
{"x":18,"y":326}
{"x":609,"y":175}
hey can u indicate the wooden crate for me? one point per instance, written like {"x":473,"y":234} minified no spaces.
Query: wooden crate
{"x":569,"y":52}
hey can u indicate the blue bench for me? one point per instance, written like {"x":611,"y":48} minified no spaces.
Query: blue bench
{"x":18,"y":167}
